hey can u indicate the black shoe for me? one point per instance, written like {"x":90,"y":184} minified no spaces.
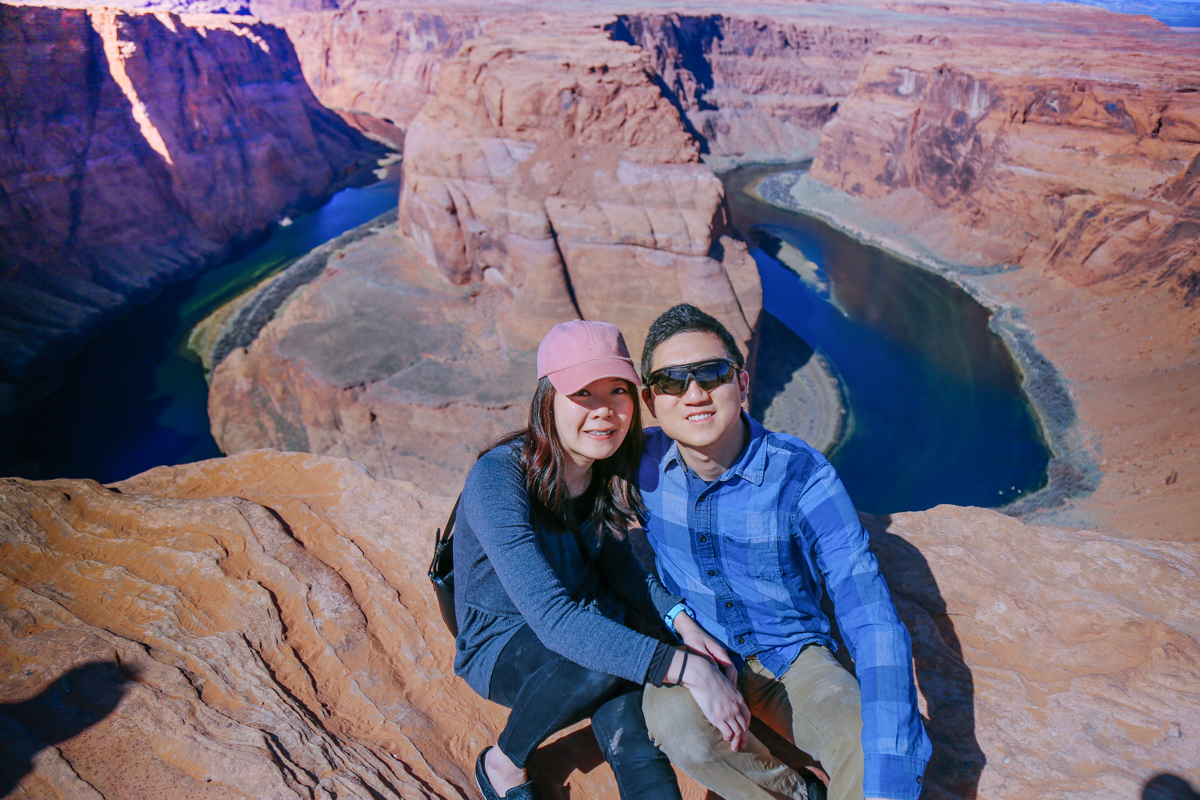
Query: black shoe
{"x":813,"y":785}
{"x":523,"y":792}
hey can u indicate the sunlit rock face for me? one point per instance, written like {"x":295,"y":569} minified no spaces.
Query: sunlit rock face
{"x":550,"y":165}
{"x":261,"y":626}
{"x":548,"y":180}
{"x":135,"y":149}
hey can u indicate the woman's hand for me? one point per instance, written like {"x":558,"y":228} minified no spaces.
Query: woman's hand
{"x":719,"y":700}
{"x":697,"y":640}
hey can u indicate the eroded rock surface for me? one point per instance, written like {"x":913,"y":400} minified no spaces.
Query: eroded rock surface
{"x":548,"y":180}
{"x":261,"y":626}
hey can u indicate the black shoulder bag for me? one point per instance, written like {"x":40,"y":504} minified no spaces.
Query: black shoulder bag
{"x":441,"y":570}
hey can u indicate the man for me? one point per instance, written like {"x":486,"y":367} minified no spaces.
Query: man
{"x":745,"y":523}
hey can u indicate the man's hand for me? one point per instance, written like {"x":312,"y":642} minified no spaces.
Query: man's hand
{"x":697,"y":640}
{"x":719,"y":700}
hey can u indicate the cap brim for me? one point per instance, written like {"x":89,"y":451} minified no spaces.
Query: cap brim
{"x":574,"y":378}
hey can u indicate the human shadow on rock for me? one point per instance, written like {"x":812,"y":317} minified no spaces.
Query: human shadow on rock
{"x":1168,"y":787}
{"x":943,"y":674}
{"x":74,"y":702}
{"x":553,"y":763}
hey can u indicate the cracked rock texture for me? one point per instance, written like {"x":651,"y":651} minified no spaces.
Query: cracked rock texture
{"x":261,"y":626}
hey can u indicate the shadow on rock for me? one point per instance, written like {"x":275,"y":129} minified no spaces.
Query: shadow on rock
{"x":1168,"y":787}
{"x":944,"y":677}
{"x":77,"y":700}
{"x":780,"y":354}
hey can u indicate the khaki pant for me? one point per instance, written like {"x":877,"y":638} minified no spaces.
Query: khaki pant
{"x":815,"y":704}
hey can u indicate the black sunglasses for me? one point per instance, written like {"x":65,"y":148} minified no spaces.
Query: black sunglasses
{"x":708,"y":374}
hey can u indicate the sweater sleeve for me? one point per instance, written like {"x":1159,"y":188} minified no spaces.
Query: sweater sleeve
{"x":895,"y":745}
{"x":496,"y":507}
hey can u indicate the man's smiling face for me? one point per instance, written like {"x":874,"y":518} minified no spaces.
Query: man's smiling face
{"x":698,"y":419}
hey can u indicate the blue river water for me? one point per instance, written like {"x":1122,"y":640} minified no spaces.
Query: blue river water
{"x":937,"y":414}
{"x":136,"y":398}
{"x":936,"y":410}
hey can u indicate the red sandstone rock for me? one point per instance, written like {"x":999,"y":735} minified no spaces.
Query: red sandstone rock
{"x":264,"y":628}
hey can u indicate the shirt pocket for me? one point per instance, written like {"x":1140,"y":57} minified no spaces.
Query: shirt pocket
{"x":752,"y":554}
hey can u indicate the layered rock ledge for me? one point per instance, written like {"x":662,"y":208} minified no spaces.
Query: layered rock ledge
{"x":261,"y":626}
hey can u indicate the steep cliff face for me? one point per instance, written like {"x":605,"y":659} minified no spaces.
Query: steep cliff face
{"x":549,"y":179}
{"x":136,"y":149}
{"x":260,"y":626}
{"x":384,"y":62}
{"x":753,"y":88}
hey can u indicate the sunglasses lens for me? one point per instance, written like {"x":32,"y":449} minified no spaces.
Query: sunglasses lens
{"x":709,"y":374}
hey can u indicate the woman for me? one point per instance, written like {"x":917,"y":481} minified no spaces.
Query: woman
{"x":544,"y":577}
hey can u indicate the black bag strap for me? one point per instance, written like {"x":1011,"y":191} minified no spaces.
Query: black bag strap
{"x":442,"y":565}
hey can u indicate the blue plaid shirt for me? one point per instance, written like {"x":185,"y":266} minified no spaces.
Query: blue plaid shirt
{"x":748,"y":552}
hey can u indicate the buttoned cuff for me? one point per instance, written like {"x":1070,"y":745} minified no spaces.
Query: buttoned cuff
{"x":895,"y":777}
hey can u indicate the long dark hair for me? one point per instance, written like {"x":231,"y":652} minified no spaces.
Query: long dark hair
{"x":617,"y":504}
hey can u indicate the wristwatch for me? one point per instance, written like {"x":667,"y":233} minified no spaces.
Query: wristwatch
{"x":676,"y":610}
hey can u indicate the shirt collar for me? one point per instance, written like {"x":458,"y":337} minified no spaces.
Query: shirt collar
{"x":751,"y":465}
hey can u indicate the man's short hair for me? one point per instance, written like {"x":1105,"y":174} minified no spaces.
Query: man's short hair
{"x":686,"y":318}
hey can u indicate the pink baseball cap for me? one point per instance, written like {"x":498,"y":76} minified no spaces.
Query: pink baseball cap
{"x":575,"y":353}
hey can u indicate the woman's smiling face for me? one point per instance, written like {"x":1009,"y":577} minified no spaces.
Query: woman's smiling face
{"x":592,"y":423}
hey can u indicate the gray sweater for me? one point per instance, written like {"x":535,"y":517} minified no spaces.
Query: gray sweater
{"x":510,"y":569}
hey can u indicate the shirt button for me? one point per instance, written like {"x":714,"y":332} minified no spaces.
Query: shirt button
{"x":704,"y":538}
{"x":712,"y":572}
{"x":729,"y":605}
{"x":741,"y":640}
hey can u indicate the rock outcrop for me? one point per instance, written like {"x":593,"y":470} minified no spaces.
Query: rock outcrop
{"x":136,"y":149}
{"x":548,"y":180}
{"x":261,"y":626}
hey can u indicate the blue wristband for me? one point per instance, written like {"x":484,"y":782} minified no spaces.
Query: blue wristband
{"x":676,"y":610}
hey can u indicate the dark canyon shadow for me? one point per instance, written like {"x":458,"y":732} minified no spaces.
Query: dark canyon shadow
{"x":945,"y":679}
{"x":74,"y":702}
{"x":780,"y":354}
{"x":1168,"y":787}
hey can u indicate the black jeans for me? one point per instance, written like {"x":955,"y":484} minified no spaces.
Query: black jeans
{"x":547,"y":693}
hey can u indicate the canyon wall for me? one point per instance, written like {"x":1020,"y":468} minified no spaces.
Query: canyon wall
{"x":753,"y":88}
{"x":380,"y":62}
{"x":261,"y":626}
{"x":549,"y":179}
{"x":137,"y":148}
{"x":1057,"y":178}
